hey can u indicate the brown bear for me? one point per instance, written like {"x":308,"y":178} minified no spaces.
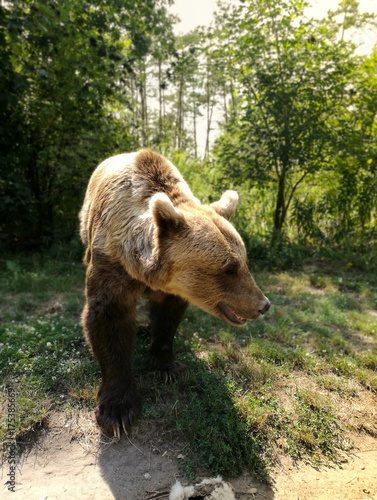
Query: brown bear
{"x":145,"y":233}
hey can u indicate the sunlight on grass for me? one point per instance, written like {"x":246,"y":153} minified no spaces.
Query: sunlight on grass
{"x":31,"y":403}
{"x":342,"y":385}
{"x":267,"y":386}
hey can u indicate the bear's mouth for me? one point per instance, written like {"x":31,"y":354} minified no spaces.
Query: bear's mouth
{"x":231,"y":316}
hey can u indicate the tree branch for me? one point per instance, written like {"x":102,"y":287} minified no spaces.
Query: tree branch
{"x":293,"y":191}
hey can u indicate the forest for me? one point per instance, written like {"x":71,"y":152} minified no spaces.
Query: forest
{"x":293,"y":102}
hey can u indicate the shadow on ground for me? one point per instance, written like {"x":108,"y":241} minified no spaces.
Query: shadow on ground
{"x":189,"y":429}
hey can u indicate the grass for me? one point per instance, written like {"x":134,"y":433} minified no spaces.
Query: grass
{"x":285,"y":384}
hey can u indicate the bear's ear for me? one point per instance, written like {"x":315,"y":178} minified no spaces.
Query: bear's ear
{"x":226,"y":204}
{"x":166,"y":217}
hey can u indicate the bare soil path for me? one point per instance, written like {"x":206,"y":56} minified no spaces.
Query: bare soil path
{"x":70,"y":460}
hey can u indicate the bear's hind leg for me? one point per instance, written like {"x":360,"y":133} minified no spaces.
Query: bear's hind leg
{"x":109,"y":323}
{"x":166,"y":312}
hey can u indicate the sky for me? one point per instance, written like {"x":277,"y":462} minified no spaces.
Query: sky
{"x":199,"y":13}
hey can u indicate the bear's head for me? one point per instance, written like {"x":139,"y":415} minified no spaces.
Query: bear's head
{"x":204,"y":258}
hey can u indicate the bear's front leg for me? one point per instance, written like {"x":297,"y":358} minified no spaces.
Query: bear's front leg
{"x":166,"y":312}
{"x":109,"y":324}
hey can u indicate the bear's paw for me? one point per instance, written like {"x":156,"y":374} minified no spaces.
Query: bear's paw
{"x":170,"y":369}
{"x":116,"y":409}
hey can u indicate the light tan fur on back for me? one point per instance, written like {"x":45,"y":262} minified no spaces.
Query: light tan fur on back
{"x":115,"y":218}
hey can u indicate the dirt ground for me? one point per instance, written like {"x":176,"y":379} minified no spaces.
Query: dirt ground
{"x":69,"y":459}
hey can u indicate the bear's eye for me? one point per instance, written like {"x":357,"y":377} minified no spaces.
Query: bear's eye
{"x":231,"y":269}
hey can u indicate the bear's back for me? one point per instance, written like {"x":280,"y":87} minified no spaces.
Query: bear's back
{"x":120,"y":188}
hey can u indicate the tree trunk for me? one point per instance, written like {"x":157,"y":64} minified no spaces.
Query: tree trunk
{"x":159,"y":100}
{"x":195,"y":141}
{"x":180,"y":112}
{"x":232,"y":94}
{"x":144,"y":109}
{"x":41,"y":190}
{"x":146,"y":105}
{"x":209,"y":114}
{"x":225,"y":105}
{"x":280,"y":209}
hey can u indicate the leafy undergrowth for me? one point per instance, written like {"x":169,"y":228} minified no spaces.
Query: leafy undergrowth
{"x":294,"y":382}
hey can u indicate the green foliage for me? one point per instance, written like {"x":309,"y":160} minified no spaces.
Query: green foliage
{"x":348,"y":12}
{"x":81,"y":83}
{"x":300,"y":128}
{"x":65,"y":70}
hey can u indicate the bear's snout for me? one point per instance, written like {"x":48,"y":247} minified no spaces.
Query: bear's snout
{"x":266,"y":307}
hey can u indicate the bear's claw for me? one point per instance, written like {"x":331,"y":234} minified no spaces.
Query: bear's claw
{"x":116,"y":431}
{"x":116,"y":412}
{"x":169,"y":370}
{"x":124,"y":426}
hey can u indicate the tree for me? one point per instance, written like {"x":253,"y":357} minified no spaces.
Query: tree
{"x":66,"y":66}
{"x":350,"y":17}
{"x":353,"y":197}
{"x":292,"y":77}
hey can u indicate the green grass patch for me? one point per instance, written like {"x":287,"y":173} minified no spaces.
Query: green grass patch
{"x":241,"y":400}
{"x":341,"y":385}
{"x":208,"y":415}
{"x":314,"y":431}
{"x":46,"y":361}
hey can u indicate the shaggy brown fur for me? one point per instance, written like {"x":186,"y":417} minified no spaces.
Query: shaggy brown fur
{"x":145,"y":233}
